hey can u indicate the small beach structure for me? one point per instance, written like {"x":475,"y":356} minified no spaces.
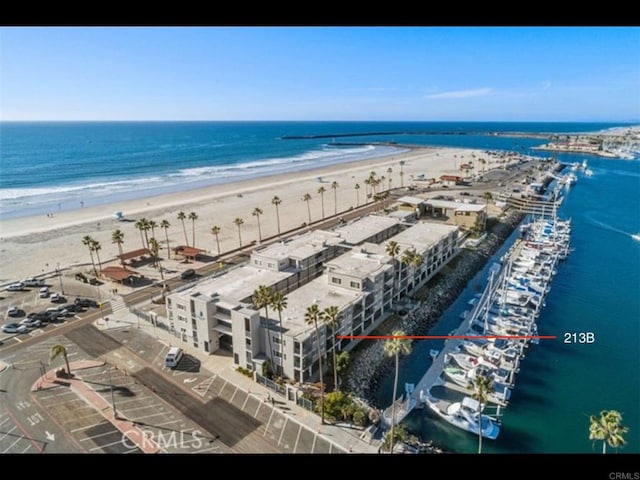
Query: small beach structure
{"x":119,"y":274}
{"x":188,"y":253}
{"x":133,"y":255}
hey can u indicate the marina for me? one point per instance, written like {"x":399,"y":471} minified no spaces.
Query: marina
{"x":488,"y":346}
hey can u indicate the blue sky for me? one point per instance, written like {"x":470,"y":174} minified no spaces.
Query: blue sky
{"x":320,"y":73}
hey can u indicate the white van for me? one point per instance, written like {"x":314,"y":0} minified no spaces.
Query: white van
{"x":174,"y":355}
{"x":44,"y":292}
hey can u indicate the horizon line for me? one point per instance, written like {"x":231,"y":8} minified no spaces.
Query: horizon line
{"x":631,"y":122}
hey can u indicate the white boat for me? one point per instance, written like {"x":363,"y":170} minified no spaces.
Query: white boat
{"x":465,"y":415}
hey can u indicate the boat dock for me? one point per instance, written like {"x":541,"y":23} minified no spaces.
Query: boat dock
{"x":505,"y":312}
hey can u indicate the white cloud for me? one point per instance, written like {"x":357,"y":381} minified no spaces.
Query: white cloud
{"x":546,"y":85}
{"x":454,"y":94}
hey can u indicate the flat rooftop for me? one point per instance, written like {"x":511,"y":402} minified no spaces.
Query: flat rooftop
{"x":455,"y":205}
{"x":302,"y":246}
{"x":236,"y":284}
{"x":364,"y":228}
{"x":360,"y":262}
{"x":317,"y":291}
{"x":423,"y":235}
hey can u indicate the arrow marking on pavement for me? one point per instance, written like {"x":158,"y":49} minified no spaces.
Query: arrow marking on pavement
{"x":189,"y":380}
{"x":50,"y":436}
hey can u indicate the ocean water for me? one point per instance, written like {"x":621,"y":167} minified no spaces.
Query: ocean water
{"x":46,"y":166}
{"x":52,"y":166}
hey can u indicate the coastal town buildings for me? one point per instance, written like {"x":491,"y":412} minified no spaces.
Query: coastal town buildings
{"x":348,"y":268}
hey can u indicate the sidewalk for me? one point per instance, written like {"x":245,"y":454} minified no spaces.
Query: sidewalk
{"x":128,"y":429}
{"x":346,"y":439}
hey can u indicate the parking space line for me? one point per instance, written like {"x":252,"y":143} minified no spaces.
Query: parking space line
{"x":255,"y":415}
{"x":210,"y":449}
{"x":120,"y":402}
{"x":149,"y":416}
{"x":10,"y":446}
{"x":17,"y":339}
{"x":245,"y":401}
{"x":234,"y":394}
{"x":168,"y":423}
{"x":75,"y":419}
{"x":108,"y":445}
{"x":284,"y":425}
{"x":99,"y":435}
{"x":4,"y":421}
{"x":26,"y":448}
{"x":297,"y":438}
{"x":88,"y":426}
{"x":313,"y":445}
{"x":269,"y":422}
{"x":61,"y":392}
{"x":129,"y":410}
{"x":7,"y":433}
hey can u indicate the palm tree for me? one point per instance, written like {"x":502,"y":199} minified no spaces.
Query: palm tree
{"x":389,"y":171}
{"x":608,"y":428}
{"x":307,"y":198}
{"x":334,"y":187}
{"x":88,"y":241}
{"x":393,"y":249}
{"x":182,"y":217}
{"x":401,"y":173}
{"x":152,"y":225}
{"x":215,"y":230}
{"x":256,"y":213}
{"x":141,"y":225}
{"x":357,"y":188}
{"x":487,"y":196}
{"x":164,"y":224}
{"x":117,"y":236}
{"x":96,"y":247}
{"x":276,"y":201}
{"x":154,"y":246}
{"x":321,"y":191}
{"x":57,"y":350}
{"x":331,"y":319}
{"x":367,"y":184}
{"x":311,"y":317}
{"x":481,"y":388}
{"x":393,"y":347}
{"x":279,"y":303}
{"x":262,"y":299}
{"x":238,"y":221}
{"x":193,"y":216}
{"x":416,"y":261}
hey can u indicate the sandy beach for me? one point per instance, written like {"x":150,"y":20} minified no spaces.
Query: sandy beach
{"x":38,"y":245}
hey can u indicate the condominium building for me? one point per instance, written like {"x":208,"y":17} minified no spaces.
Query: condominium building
{"x":348,"y":268}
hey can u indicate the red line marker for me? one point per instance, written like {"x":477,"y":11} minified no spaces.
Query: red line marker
{"x":444,"y":337}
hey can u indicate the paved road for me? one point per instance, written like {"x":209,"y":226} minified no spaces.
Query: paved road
{"x":219,"y":418}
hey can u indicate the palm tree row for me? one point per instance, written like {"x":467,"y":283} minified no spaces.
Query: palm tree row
{"x":265,"y":297}
{"x":409,"y":257}
{"x":94,"y":247}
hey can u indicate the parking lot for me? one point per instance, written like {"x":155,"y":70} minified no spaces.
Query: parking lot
{"x":16,"y":306}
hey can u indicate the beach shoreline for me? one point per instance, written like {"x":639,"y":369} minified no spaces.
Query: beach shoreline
{"x":34,"y":245}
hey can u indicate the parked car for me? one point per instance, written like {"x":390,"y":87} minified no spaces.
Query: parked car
{"x":190,"y":272}
{"x":57,"y":298}
{"x":33,"y":282}
{"x":31,"y":323}
{"x":15,"y":287}
{"x":86,"y":302}
{"x":14,"y":328}
{"x":44,"y":292}
{"x":13,"y":311}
